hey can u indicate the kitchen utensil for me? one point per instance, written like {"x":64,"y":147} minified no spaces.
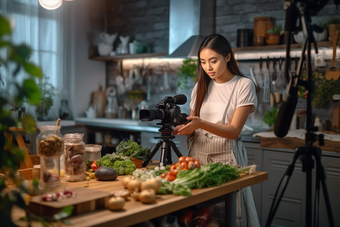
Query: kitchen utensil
{"x":252,"y":75}
{"x":91,"y":112}
{"x":258,"y":41}
{"x":244,"y":37}
{"x":280,"y":80}
{"x":107,"y":38}
{"x":111,"y":110}
{"x":99,"y":99}
{"x":262,"y":25}
{"x":266,"y":92}
{"x":125,"y":44}
{"x":273,"y":75}
{"x":87,"y":200}
{"x":104,"y":49}
{"x":336,"y":118}
{"x":260,"y":76}
{"x":333,"y":72}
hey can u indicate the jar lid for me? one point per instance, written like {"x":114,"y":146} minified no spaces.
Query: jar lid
{"x":36,"y":167}
{"x":73,"y":136}
{"x":93,"y":147}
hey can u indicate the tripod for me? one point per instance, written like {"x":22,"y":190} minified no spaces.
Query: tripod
{"x":166,"y":143}
{"x":308,"y":151}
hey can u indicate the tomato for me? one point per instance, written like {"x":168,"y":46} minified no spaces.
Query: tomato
{"x":198,"y":164}
{"x":194,"y":159}
{"x":170,"y":178}
{"x":167,"y":174}
{"x":173,"y":167}
{"x":181,"y":159}
{"x":174,"y":172}
{"x":203,"y":213}
{"x":188,"y":159}
{"x":191,"y":165}
{"x":185,"y":217}
{"x":184,"y":166}
{"x":163,"y":175}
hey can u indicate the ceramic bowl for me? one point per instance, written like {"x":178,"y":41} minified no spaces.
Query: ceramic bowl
{"x":258,"y":41}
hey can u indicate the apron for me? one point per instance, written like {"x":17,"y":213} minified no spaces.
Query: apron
{"x":209,"y":148}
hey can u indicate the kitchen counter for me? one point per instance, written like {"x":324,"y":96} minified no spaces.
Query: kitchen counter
{"x":135,"y":212}
{"x":136,"y":125}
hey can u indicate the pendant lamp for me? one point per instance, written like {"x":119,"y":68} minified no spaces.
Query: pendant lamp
{"x":50,"y":4}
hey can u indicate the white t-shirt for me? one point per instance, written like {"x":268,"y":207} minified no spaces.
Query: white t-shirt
{"x":218,"y":95}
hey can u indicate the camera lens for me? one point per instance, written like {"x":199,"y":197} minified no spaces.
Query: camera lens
{"x":149,"y":115}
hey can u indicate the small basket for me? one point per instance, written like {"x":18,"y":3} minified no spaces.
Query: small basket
{"x":138,"y":163}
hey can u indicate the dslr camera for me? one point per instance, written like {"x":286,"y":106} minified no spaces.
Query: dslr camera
{"x":168,"y":111}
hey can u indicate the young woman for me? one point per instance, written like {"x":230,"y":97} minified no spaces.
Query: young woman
{"x":221,"y":101}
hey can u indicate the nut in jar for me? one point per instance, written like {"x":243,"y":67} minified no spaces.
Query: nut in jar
{"x":51,"y":146}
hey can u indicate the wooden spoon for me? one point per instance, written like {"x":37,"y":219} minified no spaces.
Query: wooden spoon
{"x":57,"y":124}
{"x":333,"y":72}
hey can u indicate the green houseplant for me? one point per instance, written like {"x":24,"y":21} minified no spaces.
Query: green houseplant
{"x":270,"y":116}
{"x":10,"y":154}
{"x":187,"y":72}
{"x":47,"y":92}
{"x":273,"y":35}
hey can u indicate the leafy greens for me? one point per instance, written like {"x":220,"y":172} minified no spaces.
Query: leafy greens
{"x":132,"y":149}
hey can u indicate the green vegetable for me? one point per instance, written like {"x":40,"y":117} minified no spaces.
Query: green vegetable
{"x":124,"y":167}
{"x":187,"y":72}
{"x":208,"y":176}
{"x":106,"y":162}
{"x":132,"y":149}
{"x":270,"y":116}
{"x":176,"y":189}
{"x":88,"y":164}
{"x":159,"y":172}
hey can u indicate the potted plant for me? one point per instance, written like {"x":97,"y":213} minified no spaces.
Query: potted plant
{"x":187,"y":73}
{"x":273,"y":35}
{"x":320,"y":31}
{"x":270,"y":116}
{"x":46,"y":102}
{"x":333,"y":26}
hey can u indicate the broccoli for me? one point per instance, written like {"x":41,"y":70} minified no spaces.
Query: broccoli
{"x":106,"y":162}
{"x":128,"y":166}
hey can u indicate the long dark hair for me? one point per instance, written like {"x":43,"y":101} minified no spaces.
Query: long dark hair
{"x":220,"y":45}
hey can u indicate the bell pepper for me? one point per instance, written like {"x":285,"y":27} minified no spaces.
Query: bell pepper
{"x":94,"y":166}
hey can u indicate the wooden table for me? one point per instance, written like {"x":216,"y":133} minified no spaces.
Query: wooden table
{"x":135,"y":212}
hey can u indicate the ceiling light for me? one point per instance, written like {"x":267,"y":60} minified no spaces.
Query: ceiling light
{"x":50,"y":4}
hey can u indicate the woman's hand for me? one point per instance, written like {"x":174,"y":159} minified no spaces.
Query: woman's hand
{"x":175,"y":131}
{"x":189,"y":128}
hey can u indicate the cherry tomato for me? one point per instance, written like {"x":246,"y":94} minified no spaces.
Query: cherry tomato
{"x":194,"y":159}
{"x":174,"y":172}
{"x":198,"y":164}
{"x":191,"y":165}
{"x":163,"y":175}
{"x":188,"y":159}
{"x":177,"y":164}
{"x":173,"y":167}
{"x":184,"y":166}
{"x":167,"y":174}
{"x":170,"y":178}
{"x":181,"y":159}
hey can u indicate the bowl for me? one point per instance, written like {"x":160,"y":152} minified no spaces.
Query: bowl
{"x":272,"y":38}
{"x":258,"y":41}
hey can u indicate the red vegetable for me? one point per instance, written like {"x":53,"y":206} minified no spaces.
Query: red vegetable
{"x":181,"y":159}
{"x":191,"y":165}
{"x":94,"y":166}
{"x":174,"y":172}
{"x":188,"y":159}
{"x":184,"y":166}
{"x":203,"y":213}
{"x":170,"y":178}
{"x":185,"y":217}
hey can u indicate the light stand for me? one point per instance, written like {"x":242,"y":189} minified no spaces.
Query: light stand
{"x":166,"y":143}
{"x":308,"y":151}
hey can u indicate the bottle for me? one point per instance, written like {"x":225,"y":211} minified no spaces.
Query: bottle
{"x":74,"y":157}
{"x":50,"y":145}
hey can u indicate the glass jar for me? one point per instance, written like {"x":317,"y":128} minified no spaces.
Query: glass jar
{"x":50,"y":145}
{"x":74,"y":157}
{"x":93,"y":153}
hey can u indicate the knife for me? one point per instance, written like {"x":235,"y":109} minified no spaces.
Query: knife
{"x":273,"y":75}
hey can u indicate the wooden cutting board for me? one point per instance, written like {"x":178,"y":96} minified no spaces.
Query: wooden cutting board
{"x":336,"y":118}
{"x":262,"y":25}
{"x":86,"y":200}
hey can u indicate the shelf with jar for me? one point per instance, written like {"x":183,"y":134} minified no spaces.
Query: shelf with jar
{"x":94,"y":55}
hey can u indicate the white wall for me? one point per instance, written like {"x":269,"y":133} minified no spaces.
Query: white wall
{"x":85,"y":75}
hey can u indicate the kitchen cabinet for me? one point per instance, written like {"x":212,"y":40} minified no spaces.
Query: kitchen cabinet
{"x":291,"y":211}
{"x":148,"y":140}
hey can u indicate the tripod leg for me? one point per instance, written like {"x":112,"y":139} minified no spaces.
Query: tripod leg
{"x":168,"y":158}
{"x":173,"y":145}
{"x":285,"y":180}
{"x":320,"y":171}
{"x":164,"y":154}
{"x":150,"y":156}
